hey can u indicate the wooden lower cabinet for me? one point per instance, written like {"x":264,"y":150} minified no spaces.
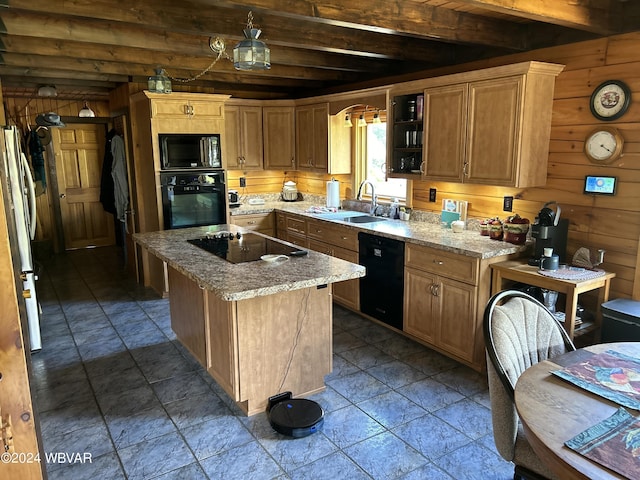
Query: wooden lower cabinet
{"x":330,"y":239}
{"x":441,"y":312}
{"x":345,"y":293}
{"x":258,"y":347}
{"x":259,"y":222}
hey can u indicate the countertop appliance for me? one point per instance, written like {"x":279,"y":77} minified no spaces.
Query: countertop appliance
{"x":234,"y":199}
{"x":17,"y":179}
{"x":382,"y":288}
{"x":549,"y":231}
{"x":243,"y":247}
{"x":193,"y":199}
{"x":189,"y":151}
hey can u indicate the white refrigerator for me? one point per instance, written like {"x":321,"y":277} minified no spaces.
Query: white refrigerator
{"x":20,"y":190}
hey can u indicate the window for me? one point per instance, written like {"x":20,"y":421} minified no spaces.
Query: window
{"x":371,"y":159}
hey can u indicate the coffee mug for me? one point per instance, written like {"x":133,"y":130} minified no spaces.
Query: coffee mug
{"x":549,"y":263}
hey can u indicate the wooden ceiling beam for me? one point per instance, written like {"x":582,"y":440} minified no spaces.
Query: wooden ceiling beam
{"x":411,"y":18}
{"x":166,"y":19}
{"x":35,"y":46}
{"x":603,"y":17}
{"x":78,"y":66}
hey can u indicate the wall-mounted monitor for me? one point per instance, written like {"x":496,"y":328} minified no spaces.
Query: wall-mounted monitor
{"x":600,"y":185}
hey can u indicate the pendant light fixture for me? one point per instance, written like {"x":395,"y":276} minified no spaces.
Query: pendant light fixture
{"x":347,"y":121}
{"x":251,"y":53}
{"x":86,"y":112}
{"x":160,"y":82}
{"x":47,"y":91}
{"x":361,"y":121}
{"x":376,"y":117}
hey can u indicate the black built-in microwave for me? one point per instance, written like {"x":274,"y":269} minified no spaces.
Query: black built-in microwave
{"x":190,"y":151}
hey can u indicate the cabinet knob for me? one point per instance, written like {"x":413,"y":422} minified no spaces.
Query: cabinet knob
{"x":251,"y":222}
{"x":345,"y":238}
{"x":438,"y":262}
{"x":465,"y":166}
{"x":436,"y":290}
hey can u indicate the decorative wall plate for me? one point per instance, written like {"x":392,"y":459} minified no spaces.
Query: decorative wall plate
{"x":610,"y":100}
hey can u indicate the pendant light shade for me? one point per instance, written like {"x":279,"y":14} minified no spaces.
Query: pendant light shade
{"x":361,"y":121}
{"x":160,"y":83}
{"x":376,"y":117}
{"x":251,"y":53}
{"x":347,"y":121}
{"x":86,"y":112}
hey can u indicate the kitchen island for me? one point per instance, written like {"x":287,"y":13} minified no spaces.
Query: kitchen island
{"x":259,"y":328}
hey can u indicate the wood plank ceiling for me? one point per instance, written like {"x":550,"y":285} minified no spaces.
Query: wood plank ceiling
{"x":87,"y":47}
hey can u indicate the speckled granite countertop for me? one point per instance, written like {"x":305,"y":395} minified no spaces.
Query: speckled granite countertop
{"x":469,"y":242}
{"x":243,"y":280}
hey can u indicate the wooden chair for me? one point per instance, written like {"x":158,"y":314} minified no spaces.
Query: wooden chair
{"x":519,"y":332}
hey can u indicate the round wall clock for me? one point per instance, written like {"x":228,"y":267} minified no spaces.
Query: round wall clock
{"x":603,"y":145}
{"x":610,"y":100}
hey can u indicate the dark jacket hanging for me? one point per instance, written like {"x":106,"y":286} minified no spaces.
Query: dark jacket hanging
{"x":107,"y":189}
{"x":37,"y":157}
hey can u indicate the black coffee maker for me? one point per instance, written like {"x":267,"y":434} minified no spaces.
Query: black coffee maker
{"x":549,"y":231}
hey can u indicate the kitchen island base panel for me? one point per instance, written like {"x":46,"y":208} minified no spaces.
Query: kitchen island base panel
{"x":258,"y":347}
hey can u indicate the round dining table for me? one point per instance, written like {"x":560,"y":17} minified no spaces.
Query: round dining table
{"x":553,"y":410}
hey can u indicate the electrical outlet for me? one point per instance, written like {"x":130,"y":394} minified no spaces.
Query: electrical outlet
{"x":507,"y":204}
{"x":432,"y":194}
{"x":243,"y":182}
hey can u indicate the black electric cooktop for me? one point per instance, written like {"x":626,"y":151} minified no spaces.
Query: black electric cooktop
{"x":243,"y":247}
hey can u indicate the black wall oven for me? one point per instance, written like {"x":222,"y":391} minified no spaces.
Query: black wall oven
{"x":193,"y":199}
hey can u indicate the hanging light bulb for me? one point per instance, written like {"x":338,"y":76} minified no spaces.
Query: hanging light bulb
{"x":361,"y":121}
{"x":376,"y":117}
{"x":251,"y":53}
{"x":347,"y":121}
{"x":86,"y":112}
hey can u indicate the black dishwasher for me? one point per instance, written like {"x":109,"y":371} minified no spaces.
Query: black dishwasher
{"x":382,"y":289}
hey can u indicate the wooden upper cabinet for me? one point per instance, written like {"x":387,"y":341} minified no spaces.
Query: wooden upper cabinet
{"x":312,"y":137}
{"x":183,"y":112}
{"x":243,"y":137}
{"x":445,"y":126}
{"x":183,"y":106}
{"x":495,"y":112}
{"x":490,"y":126}
{"x":279,"y":137}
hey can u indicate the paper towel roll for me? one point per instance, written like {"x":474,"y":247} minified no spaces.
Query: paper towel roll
{"x":333,"y":194}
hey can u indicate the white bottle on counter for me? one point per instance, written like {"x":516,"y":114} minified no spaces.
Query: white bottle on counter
{"x":394,"y":209}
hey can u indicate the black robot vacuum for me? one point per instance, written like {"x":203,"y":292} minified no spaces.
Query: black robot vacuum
{"x":294,"y":417}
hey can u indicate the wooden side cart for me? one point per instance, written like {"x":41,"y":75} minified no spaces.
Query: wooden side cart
{"x":521,"y":272}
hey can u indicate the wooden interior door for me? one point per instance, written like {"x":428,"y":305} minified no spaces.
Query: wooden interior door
{"x":79,"y":155}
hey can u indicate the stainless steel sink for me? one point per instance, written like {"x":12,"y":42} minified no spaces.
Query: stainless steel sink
{"x":364,"y":219}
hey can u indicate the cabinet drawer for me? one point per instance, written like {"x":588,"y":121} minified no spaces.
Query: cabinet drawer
{"x":446,"y":264}
{"x":321,"y":247}
{"x":254,"y":222}
{"x":297,"y":239}
{"x":187,"y":108}
{"x":297,"y":225}
{"x":333,"y":234}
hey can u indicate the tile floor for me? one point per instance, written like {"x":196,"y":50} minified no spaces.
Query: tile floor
{"x":113,"y":381}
